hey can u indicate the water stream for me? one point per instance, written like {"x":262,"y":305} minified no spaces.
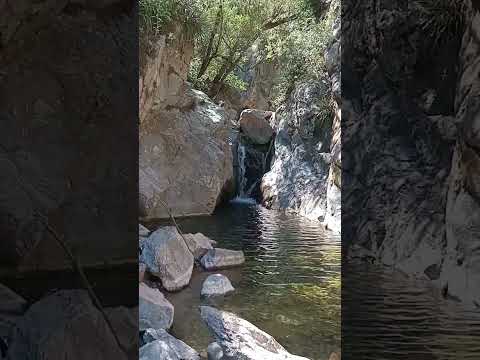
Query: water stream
{"x":288,"y":287}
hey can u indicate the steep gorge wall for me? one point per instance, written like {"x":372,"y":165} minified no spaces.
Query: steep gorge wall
{"x":417,"y":204}
{"x":185,"y":159}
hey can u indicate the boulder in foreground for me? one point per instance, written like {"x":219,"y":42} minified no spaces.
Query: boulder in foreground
{"x":222,"y":258}
{"x":154,"y":310}
{"x":165,"y":340}
{"x":240,"y":339}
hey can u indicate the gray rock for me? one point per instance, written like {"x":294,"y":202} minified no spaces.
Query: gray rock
{"x":167,"y":257}
{"x":143,"y":231}
{"x":66,"y":318}
{"x":178,"y":347}
{"x":215,"y":285}
{"x":12,"y":307}
{"x":157,"y":350}
{"x":125,"y":322}
{"x":222,"y":258}
{"x":214,"y":351}
{"x":254,"y":124}
{"x":141,"y":271}
{"x":155,"y":311}
{"x":198,"y":244}
{"x":240,"y":339}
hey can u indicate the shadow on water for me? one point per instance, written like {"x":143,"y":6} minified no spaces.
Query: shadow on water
{"x":289,"y":286}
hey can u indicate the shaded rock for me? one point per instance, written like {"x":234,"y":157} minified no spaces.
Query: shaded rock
{"x":177,"y":347}
{"x":12,"y":307}
{"x":216,"y":284}
{"x":125,"y":323}
{"x":141,"y":271}
{"x":222,"y":258}
{"x":143,"y":231}
{"x":57,"y":326}
{"x":214,"y":351}
{"x":198,"y":244}
{"x":155,"y":311}
{"x":167,"y":257}
{"x":240,"y":339}
{"x":255,"y":125}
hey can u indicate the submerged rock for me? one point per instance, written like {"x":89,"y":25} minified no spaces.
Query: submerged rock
{"x":222,"y":258}
{"x":214,"y":351}
{"x":240,"y":339}
{"x":216,"y":285}
{"x":57,"y":326}
{"x":254,"y":124}
{"x":198,"y":244}
{"x":167,"y":257}
{"x":154,"y":310}
{"x":165,"y":340}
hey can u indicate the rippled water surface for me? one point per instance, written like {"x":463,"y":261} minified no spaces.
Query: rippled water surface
{"x":288,"y":287}
{"x":402,"y":318}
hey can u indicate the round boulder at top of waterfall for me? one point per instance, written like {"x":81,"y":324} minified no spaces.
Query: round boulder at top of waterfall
{"x":154,"y":310}
{"x":240,"y":339}
{"x":255,"y":125}
{"x":222,"y":258}
{"x":167,"y":256}
{"x":216,"y":285}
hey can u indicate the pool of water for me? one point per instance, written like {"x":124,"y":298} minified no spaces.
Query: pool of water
{"x":388,"y":316}
{"x":288,"y":287}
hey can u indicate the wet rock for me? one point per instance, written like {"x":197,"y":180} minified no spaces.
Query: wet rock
{"x":254,"y":124}
{"x":198,"y":244}
{"x":222,"y":258}
{"x":240,"y":339}
{"x":165,"y":340}
{"x":216,"y":285}
{"x":155,"y":311}
{"x":125,"y":323}
{"x":167,"y":257}
{"x":214,"y":351}
{"x":57,"y":326}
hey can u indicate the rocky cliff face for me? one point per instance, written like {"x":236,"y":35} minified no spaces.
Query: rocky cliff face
{"x":416,"y":202}
{"x":185,"y":157}
{"x":305,"y":174}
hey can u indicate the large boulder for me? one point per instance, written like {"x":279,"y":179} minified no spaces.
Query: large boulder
{"x":198,"y":244}
{"x":157,"y":350}
{"x":216,"y":285}
{"x":222,"y":258}
{"x":167,"y":257}
{"x":64,"y":325}
{"x":165,"y":340}
{"x":185,"y":158}
{"x":240,"y":339}
{"x":255,"y":125}
{"x":154,"y":310}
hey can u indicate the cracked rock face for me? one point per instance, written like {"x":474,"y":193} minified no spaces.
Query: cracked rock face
{"x":154,"y":310}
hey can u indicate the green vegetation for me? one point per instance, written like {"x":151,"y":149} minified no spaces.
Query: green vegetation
{"x":291,"y":33}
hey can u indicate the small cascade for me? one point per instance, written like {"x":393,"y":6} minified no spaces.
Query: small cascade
{"x":242,"y":175}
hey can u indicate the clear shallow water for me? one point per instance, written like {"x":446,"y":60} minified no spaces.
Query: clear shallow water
{"x":288,"y":287}
{"x":403,"y":318}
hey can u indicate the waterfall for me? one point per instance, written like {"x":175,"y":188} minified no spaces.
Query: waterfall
{"x":242,"y":174}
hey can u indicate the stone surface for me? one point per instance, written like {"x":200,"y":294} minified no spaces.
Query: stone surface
{"x":125,"y":322}
{"x":214,"y":351}
{"x":141,"y":271}
{"x":167,"y":257}
{"x":57,"y":326}
{"x":180,"y":128}
{"x":143,"y":231}
{"x":299,"y":171}
{"x":198,"y":244}
{"x":157,"y":350}
{"x":222,"y":258}
{"x":216,"y":285}
{"x":12,"y":307}
{"x":165,"y":340}
{"x":155,"y":312}
{"x":255,"y":125}
{"x":240,"y":339}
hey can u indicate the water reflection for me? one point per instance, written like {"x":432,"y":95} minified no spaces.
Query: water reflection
{"x":289,"y":286}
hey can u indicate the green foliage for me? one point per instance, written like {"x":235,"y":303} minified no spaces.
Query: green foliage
{"x":157,"y":16}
